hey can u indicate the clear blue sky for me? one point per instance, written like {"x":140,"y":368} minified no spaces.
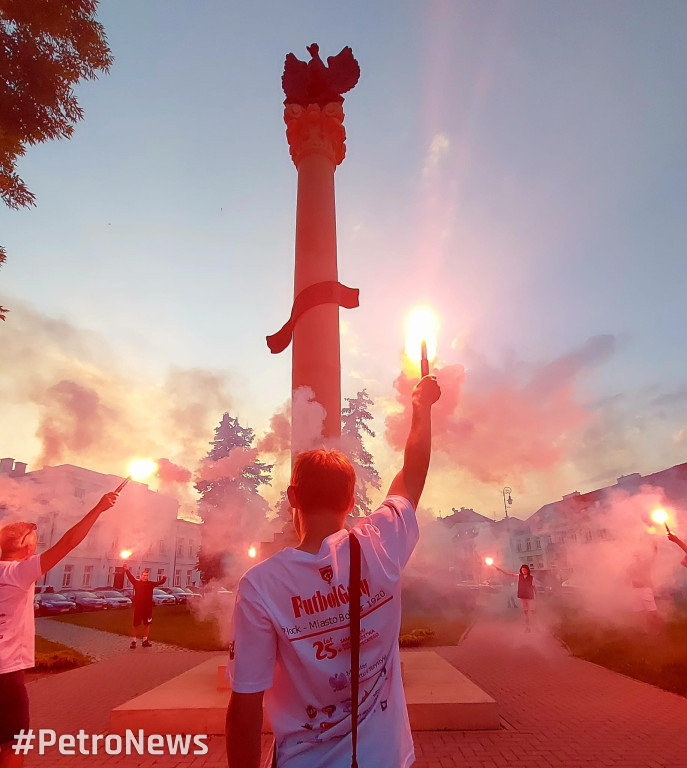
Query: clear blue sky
{"x":519,"y":166}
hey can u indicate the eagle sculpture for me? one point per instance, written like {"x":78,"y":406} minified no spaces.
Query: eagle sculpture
{"x":312,"y":82}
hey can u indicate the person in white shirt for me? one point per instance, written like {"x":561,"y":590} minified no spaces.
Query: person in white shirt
{"x":20,"y":568}
{"x":291,"y":633}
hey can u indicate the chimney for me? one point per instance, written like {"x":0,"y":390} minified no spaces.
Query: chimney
{"x":6,"y":466}
{"x":632,"y":479}
{"x":19,"y":469}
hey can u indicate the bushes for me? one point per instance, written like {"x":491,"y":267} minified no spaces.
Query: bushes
{"x":415,"y":638}
{"x":53,"y":657}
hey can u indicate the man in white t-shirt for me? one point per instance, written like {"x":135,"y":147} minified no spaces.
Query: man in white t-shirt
{"x":291,"y":633}
{"x":20,"y":568}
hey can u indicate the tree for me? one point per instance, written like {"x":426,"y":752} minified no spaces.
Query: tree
{"x":46,"y":48}
{"x":3,"y":311}
{"x":231,"y":506}
{"x":354,"y":418}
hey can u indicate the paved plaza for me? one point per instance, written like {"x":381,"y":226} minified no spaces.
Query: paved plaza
{"x":556,"y":711}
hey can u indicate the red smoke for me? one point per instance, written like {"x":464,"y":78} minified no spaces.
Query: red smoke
{"x":172,"y":473}
{"x":278,"y":438}
{"x":504,"y":424}
{"x":73,"y":422}
{"x":230,"y":466}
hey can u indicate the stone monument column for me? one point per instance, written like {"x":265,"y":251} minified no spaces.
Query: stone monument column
{"x":316,"y":142}
{"x":314,"y":116}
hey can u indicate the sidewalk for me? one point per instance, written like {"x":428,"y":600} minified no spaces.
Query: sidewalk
{"x":93,"y":642}
{"x":557,"y":711}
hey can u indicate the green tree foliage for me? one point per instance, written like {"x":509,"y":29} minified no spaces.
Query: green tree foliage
{"x":230,"y":504}
{"x":354,"y":418}
{"x":3,"y":311}
{"x":46,"y":48}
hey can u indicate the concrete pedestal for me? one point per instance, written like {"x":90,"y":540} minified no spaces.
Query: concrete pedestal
{"x":439,"y":698}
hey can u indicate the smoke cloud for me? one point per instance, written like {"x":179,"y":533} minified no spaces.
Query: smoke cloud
{"x":85,"y":408}
{"x":509,"y":423}
{"x":168,"y":472}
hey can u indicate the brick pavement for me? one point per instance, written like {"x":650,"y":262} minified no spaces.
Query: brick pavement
{"x":557,"y":711}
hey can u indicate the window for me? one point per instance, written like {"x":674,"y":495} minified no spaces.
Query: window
{"x":529,"y":545}
{"x":177,"y":578}
{"x":588,"y":535}
{"x":161,"y":546}
{"x":160,"y":573}
{"x":87,"y":575}
{"x":519,"y":546}
{"x":67,"y":575}
{"x":189,"y":577}
{"x":192,"y":549}
{"x":180,"y":547}
{"x":110,"y":576}
{"x":537,"y":544}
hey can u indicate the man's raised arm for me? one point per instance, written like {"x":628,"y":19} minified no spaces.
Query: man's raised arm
{"x":410,"y":481}
{"x":76,"y":534}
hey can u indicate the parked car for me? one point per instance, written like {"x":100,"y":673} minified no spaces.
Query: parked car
{"x":162,"y":598}
{"x":85,"y":600}
{"x":52,"y":604}
{"x":40,"y":589}
{"x":190,"y":593}
{"x":176,"y":592}
{"x":114,"y":598}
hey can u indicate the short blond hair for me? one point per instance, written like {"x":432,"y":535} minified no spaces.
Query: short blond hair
{"x":11,"y":536}
{"x":323,"y":479}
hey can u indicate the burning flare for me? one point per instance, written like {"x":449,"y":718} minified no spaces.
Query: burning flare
{"x":125,"y":554}
{"x":660,"y":516}
{"x":139,"y":469}
{"x":252,"y":552}
{"x":489,"y":560}
{"x":421,"y":325}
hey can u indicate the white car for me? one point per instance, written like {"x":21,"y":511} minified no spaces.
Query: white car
{"x":113,"y":598}
{"x":162,"y":598}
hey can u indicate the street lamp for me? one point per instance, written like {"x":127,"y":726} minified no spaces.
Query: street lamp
{"x":507,"y":502}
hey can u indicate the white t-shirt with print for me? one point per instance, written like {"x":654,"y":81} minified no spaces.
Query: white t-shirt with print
{"x":17,"y":625}
{"x":291,"y":638}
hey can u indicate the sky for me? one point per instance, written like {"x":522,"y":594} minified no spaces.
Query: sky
{"x":519,"y":167}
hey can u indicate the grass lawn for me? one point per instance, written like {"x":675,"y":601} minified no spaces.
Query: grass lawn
{"x":659,"y":659}
{"x":54,"y":657}
{"x":174,"y":624}
{"x":445,"y":630}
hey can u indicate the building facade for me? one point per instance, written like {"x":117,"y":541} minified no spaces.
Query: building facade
{"x":143,"y":528}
